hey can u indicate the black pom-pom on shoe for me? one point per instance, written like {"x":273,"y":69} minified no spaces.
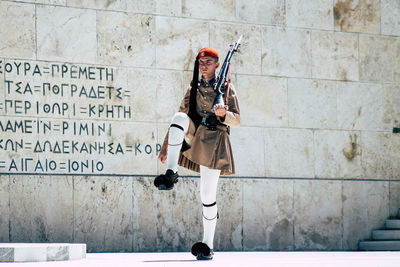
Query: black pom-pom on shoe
{"x":202,"y":252}
{"x":166,"y":181}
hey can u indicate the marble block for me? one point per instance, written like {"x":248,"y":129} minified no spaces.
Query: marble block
{"x":162,"y":7}
{"x":162,"y":129}
{"x":209,"y":9}
{"x":286,"y":52}
{"x":18,"y":145}
{"x":139,"y":6}
{"x":363,"y":106}
{"x":66,"y":34}
{"x":125,"y":39}
{"x":392,"y":107}
{"x":77,"y":251}
{"x":103,"y":213}
{"x":394,"y":199}
{"x":17,"y":30}
{"x":56,"y":83}
{"x":22,"y":98}
{"x":145,"y":215}
{"x":263,"y":101}
{"x":138,"y":141}
{"x":229,"y":229}
{"x":4,"y":208}
{"x":155,"y":95}
{"x":379,"y":58}
{"x":267,"y":214}
{"x":94,"y":4}
{"x":30,"y":253}
{"x":2,"y":84}
{"x":36,"y":252}
{"x":380,"y":155}
{"x":335,"y":55}
{"x":6,"y":254}
{"x":365,"y":208}
{"x":169,"y":7}
{"x":289,"y":153}
{"x":42,"y":209}
{"x":248,"y":151}
{"x":178,"y":42}
{"x":337,"y":154}
{"x":355,"y":213}
{"x":248,"y":58}
{"x":60,"y":253}
{"x":188,"y":77}
{"x":357,"y":16}
{"x":309,"y":14}
{"x":395,"y":155}
{"x":311,"y":103}
{"x":390,"y":17}
{"x":317,"y":215}
{"x":271,"y":12}
{"x":166,"y":220}
{"x":120,"y":148}
{"x":48,"y":2}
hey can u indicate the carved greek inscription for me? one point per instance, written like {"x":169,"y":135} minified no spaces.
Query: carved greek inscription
{"x":68,"y":118}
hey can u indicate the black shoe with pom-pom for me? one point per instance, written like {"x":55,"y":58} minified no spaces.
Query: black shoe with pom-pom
{"x":202,"y":252}
{"x":166,"y":181}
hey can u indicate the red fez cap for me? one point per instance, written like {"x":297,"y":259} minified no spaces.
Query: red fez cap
{"x":207,"y":52}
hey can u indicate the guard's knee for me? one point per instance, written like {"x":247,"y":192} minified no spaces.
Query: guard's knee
{"x":210,"y":211}
{"x":207,"y":196}
{"x":181,"y":119}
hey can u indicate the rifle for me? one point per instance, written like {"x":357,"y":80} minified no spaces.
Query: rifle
{"x":219,"y":99}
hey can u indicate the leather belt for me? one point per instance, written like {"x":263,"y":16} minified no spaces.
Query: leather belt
{"x":212,"y":122}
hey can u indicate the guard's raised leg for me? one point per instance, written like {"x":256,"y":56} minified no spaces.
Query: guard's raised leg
{"x":178,"y":128}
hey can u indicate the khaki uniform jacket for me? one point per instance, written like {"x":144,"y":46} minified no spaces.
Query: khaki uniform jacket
{"x":207,"y":147}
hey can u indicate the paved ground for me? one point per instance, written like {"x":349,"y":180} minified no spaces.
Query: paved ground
{"x":231,"y":259}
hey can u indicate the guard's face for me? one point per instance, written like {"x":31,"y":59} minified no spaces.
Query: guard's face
{"x":208,"y":65}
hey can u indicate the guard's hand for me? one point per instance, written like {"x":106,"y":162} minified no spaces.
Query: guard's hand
{"x":220,"y":110}
{"x":163,"y":154}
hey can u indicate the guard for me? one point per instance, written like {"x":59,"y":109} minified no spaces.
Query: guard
{"x":198,"y":139}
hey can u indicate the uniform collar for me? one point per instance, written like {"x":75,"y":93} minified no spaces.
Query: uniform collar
{"x":209,"y":83}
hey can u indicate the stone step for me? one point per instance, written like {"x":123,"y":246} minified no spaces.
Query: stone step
{"x":393,"y":224}
{"x":32,"y":252}
{"x":386,"y":235}
{"x":379,"y":245}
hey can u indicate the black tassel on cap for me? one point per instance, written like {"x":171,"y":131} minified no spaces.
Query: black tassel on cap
{"x":193,"y":115}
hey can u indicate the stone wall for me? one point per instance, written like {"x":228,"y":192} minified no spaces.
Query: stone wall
{"x":318,"y":166}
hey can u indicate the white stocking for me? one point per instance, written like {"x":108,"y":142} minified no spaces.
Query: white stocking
{"x":208,"y":193}
{"x":175,"y":139}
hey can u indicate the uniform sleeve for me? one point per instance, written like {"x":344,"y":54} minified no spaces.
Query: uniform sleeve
{"x":232,"y":117}
{"x":184,"y":107}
